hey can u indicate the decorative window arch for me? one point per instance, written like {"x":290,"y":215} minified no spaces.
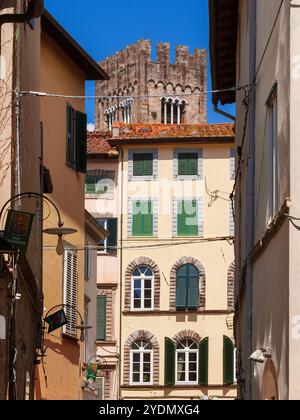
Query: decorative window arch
{"x":230,"y":287}
{"x":172,"y":110}
{"x":202,"y":282}
{"x":130,"y":347}
{"x":142,"y":262}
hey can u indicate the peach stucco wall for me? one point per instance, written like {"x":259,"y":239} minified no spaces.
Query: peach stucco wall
{"x":62,"y":379}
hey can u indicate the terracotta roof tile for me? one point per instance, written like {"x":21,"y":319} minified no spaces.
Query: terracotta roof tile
{"x":124,"y":132}
{"x":97,"y":143}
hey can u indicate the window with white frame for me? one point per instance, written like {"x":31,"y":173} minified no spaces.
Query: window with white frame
{"x":126,"y":108}
{"x":187,"y":362}
{"x":70,"y":284}
{"x":141,"y":363}
{"x":99,"y":387}
{"x":272,"y":152}
{"x":172,"y":110}
{"x":142,"y":289}
{"x":111,"y":116}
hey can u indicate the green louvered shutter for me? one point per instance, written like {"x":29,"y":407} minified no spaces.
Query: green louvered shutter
{"x":112,"y":227}
{"x":180,"y":219}
{"x":181,"y":287}
{"x":193,"y":287}
{"x":101,"y":318}
{"x":188,"y":164}
{"x":147,"y":219}
{"x":136,"y":218}
{"x":228,"y":361}
{"x":203,"y":361}
{"x":70,"y":155}
{"x":142,"y":164}
{"x":90,"y":184}
{"x":169,"y":362}
{"x":81,"y":142}
{"x":191,"y":218}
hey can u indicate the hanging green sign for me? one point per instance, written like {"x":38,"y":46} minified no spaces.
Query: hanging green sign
{"x":92,"y":371}
{"x":56,"y":320}
{"x":17,"y":229}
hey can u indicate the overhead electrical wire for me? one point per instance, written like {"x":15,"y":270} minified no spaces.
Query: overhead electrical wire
{"x":58,"y":95}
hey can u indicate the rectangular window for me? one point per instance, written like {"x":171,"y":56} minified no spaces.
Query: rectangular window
{"x":142,"y":164}
{"x":70,"y":283}
{"x":101,"y":318}
{"x":109,"y":244}
{"x":273,"y":199}
{"x":76,"y":140}
{"x":188,"y":164}
{"x":187,"y":218}
{"x":142,"y":218}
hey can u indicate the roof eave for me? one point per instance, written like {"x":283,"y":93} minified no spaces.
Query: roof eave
{"x":78,"y":55}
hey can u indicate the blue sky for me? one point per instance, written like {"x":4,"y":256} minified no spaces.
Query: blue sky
{"x":102,"y":28}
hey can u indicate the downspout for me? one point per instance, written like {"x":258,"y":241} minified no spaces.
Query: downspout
{"x":250,"y":182}
{"x":121,"y":154}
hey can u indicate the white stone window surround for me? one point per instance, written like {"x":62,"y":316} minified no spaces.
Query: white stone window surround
{"x":111,"y":114}
{"x":154,"y":202}
{"x":176,"y":105}
{"x":188,"y":177}
{"x":153,"y":177}
{"x":200,"y":208}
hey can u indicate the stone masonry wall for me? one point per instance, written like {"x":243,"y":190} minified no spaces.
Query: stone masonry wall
{"x":132,"y":72}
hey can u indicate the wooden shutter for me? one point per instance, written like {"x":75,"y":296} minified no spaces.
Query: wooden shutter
{"x":169,"y":362}
{"x":187,"y":218}
{"x":112,"y":227}
{"x":101,"y":318}
{"x":90,"y":184}
{"x":142,"y":218}
{"x":203,"y":361}
{"x":81,"y":142}
{"x":228,"y":361}
{"x":188,"y":164}
{"x":193,"y":287}
{"x":142,"y":164}
{"x":70,"y":152}
{"x":70,"y":290}
{"x":137,"y":218}
{"x":181,"y":287}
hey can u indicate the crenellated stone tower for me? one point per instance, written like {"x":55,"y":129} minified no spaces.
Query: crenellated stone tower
{"x":158,"y":92}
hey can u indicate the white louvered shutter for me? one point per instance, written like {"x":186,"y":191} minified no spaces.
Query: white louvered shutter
{"x":70,"y":290}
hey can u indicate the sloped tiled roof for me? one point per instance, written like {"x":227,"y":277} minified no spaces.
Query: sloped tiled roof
{"x":97,"y":144}
{"x":130,"y":132}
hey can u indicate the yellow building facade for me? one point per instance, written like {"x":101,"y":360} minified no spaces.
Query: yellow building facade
{"x":176,"y":261}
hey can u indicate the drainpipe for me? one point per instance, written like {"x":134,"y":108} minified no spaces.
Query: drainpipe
{"x":250,"y":190}
{"x":121,"y":154}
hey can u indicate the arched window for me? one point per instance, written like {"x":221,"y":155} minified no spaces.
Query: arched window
{"x":142,"y":288}
{"x":187,"y":362}
{"x":187,"y":287}
{"x":172,"y":110}
{"x":141,"y":363}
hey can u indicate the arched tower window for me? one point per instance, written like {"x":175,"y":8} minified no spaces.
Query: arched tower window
{"x":172,"y":110}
